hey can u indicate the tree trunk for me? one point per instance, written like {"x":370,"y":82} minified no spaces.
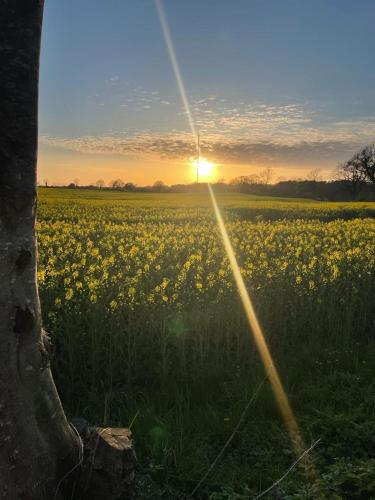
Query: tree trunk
{"x":37,"y":445}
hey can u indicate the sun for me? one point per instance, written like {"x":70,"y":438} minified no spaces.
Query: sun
{"x":203,"y":168}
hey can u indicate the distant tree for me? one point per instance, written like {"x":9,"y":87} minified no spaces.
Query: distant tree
{"x":100,"y":184}
{"x":76,"y":182}
{"x":71,"y":185}
{"x":247,"y":183}
{"x":246,"y":180}
{"x":364,"y":162}
{"x":315,"y":175}
{"x":353,"y":174}
{"x":159,"y":186}
{"x":129,"y":186}
{"x":358,"y":170}
{"x":45,"y":182}
{"x":117,"y":184}
{"x":265,"y":176}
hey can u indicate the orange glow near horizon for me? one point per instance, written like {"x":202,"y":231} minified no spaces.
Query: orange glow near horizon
{"x":61,"y":166}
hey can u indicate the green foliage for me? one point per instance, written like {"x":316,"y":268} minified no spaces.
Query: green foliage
{"x":147,"y":327}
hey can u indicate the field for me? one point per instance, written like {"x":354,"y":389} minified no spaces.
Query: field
{"x":148,"y":331}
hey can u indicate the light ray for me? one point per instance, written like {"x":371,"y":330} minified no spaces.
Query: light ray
{"x":259,"y":339}
{"x":176,"y":69}
{"x":269,"y":365}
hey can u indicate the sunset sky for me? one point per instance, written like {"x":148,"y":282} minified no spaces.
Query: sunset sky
{"x":284,"y":84}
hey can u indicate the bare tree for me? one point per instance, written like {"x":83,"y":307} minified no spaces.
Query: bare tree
{"x":265,"y":176}
{"x":359,"y":169}
{"x":365,"y":162}
{"x":244,"y":180}
{"x":354,"y":176}
{"x":100,"y":183}
{"x":45,"y":182}
{"x":76,"y":182}
{"x":37,"y":445}
{"x":315,"y":175}
{"x":117,"y":184}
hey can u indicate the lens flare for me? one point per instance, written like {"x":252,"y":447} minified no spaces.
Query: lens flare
{"x":259,"y":339}
{"x":176,"y":68}
{"x":269,"y":365}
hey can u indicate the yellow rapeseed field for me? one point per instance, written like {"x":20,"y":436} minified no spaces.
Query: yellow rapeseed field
{"x":128,"y":256}
{"x":133,"y":271}
{"x":148,"y":330}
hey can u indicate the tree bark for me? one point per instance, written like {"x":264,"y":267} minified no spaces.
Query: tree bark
{"x":37,"y":445}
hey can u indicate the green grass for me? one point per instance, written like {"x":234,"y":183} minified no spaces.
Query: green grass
{"x":148,"y":330}
{"x":157,"y":199}
{"x":243,"y":206}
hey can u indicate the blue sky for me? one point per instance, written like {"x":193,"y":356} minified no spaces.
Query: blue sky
{"x":286,"y":84}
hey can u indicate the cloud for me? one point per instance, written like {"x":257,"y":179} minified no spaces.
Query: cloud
{"x":181,"y":145}
{"x":269,"y":153}
{"x":237,"y":133}
{"x":141,"y":96}
{"x":172,"y":145}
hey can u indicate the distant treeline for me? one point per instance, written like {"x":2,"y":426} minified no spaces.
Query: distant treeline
{"x":355,"y":180}
{"x":339,"y":190}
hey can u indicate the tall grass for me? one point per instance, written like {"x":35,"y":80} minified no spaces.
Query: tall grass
{"x":147,"y":325}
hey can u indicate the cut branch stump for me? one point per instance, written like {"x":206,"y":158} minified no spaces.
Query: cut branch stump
{"x":109,"y":464}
